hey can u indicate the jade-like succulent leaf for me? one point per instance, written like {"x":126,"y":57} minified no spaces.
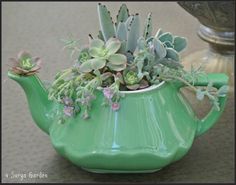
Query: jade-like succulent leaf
{"x":117,"y":59}
{"x":121,"y":32}
{"x":172,"y":54}
{"x":96,"y":52}
{"x":113,"y":45}
{"x":160,"y":50}
{"x":148,"y":27}
{"x":123,"y":14}
{"x":179,"y":43}
{"x":166,"y":37}
{"x":116,"y":67}
{"x":97,"y":63}
{"x":97,"y":43}
{"x":85,"y":67}
{"x":159,"y":32}
{"x":133,"y":34}
{"x":106,"y":23}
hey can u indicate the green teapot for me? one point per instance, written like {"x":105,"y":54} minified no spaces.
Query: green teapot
{"x":154,"y":128}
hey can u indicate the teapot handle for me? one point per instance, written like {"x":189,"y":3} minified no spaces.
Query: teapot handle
{"x":218,"y":80}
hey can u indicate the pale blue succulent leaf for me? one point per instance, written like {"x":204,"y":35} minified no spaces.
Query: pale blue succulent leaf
{"x":121,"y":32}
{"x":148,"y":27}
{"x":123,"y":14}
{"x":179,"y":43}
{"x":133,"y":34}
{"x":105,"y":21}
{"x":166,"y":37}
{"x":172,"y":54}
{"x":159,"y":48}
{"x":141,"y":43}
{"x":168,"y":44}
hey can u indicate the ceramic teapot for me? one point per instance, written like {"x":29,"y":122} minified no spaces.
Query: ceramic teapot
{"x":155,"y":127}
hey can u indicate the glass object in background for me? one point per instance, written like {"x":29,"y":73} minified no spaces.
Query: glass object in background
{"x":217,"y":29}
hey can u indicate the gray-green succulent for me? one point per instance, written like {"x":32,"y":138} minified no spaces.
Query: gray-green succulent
{"x":123,"y":57}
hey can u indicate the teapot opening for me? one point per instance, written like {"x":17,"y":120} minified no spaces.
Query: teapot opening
{"x":150,"y":88}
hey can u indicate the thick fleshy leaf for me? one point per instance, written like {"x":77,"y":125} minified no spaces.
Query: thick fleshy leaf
{"x":168,"y":44}
{"x":160,"y":50}
{"x":141,"y":43}
{"x":179,"y":43}
{"x":133,"y":33}
{"x":148,"y":27}
{"x":97,"y":63}
{"x":172,"y":54}
{"x":166,"y":37}
{"x":116,"y":67}
{"x":96,"y":52}
{"x":121,"y":32}
{"x":106,"y":24}
{"x":113,"y":45}
{"x":85,"y":67}
{"x":97,"y":43}
{"x":117,"y":59}
{"x":122,"y":47}
{"x":123,"y":14}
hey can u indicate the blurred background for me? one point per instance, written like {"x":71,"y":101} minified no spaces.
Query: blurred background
{"x":38,"y":27}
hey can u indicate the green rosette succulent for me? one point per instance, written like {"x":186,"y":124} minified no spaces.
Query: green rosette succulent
{"x":103,"y":54}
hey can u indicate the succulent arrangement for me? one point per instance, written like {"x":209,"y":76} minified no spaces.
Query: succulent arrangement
{"x":121,"y":58}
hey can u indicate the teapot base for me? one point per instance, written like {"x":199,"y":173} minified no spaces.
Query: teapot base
{"x":119,"y":171}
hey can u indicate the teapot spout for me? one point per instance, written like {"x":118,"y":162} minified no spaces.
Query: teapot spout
{"x":37,"y":97}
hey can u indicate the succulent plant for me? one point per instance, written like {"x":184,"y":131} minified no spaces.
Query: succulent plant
{"x":101,"y":54}
{"x":25,"y":64}
{"x":123,"y":58}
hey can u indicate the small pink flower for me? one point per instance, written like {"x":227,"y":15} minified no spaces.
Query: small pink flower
{"x":115,"y":106}
{"x":68,"y":111}
{"x":108,"y":92}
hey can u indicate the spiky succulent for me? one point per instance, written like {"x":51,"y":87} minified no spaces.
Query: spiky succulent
{"x":25,"y":64}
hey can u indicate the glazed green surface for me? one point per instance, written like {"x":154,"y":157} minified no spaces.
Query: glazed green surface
{"x":151,"y":130}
